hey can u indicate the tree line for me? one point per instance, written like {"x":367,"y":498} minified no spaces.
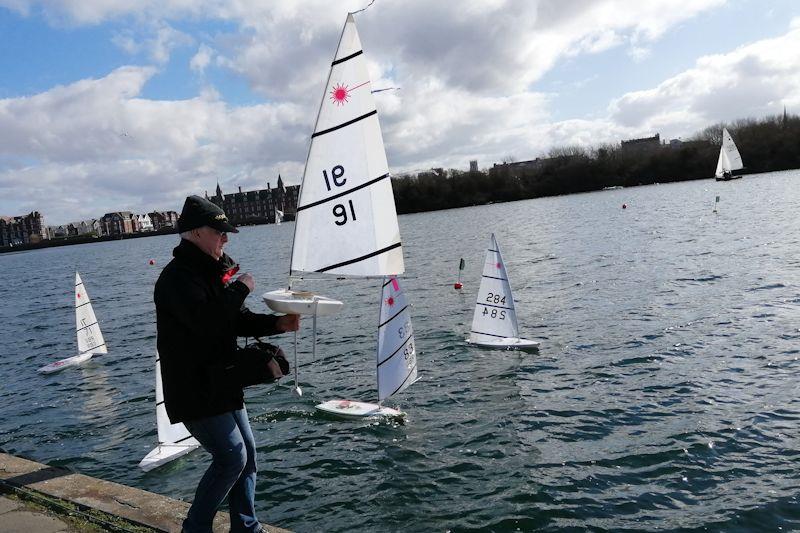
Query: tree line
{"x":768,"y":144}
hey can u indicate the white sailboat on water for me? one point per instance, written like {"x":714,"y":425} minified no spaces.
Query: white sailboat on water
{"x":346,"y":221}
{"x":174,"y":440}
{"x":396,"y":361}
{"x":90,"y":338}
{"x":729,"y":159}
{"x":494,"y":324}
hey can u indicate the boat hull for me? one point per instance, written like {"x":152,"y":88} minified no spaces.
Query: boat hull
{"x":352,"y":409}
{"x":507,"y":343}
{"x":164,"y":453}
{"x":65,"y":363}
{"x":301,"y":303}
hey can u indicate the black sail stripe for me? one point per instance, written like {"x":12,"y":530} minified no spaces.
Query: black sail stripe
{"x":492,"y":277}
{"x":351,"y":56}
{"x":489,"y":334}
{"x":342,"y":125}
{"x":90,"y":349}
{"x":397,"y":350}
{"x":388,"y":282}
{"x":176,"y":442}
{"x":405,"y":380}
{"x":497,"y":306}
{"x":81,"y":305}
{"x":85,"y":327}
{"x":362,"y":258}
{"x":160,"y":403}
{"x":79,"y":284}
{"x":496,"y":251}
{"x":354,"y":189}
{"x":395,"y":316}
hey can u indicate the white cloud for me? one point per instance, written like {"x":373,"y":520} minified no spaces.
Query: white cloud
{"x":751,"y":81}
{"x":201,"y":59}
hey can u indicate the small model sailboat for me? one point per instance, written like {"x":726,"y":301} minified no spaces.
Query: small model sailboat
{"x":729,"y":159}
{"x":396,"y":361}
{"x":494,"y":324}
{"x":278,"y":217}
{"x":174,"y":440}
{"x":90,"y":339}
{"x":346,"y":221}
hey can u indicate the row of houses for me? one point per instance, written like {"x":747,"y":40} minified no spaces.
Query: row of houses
{"x":261,"y":206}
{"x":116,"y":223}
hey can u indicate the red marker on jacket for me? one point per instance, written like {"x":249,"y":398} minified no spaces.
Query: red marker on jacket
{"x":226,"y":277}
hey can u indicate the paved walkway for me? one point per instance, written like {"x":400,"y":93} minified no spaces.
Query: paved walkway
{"x":98,"y":505}
{"x":18,"y":517}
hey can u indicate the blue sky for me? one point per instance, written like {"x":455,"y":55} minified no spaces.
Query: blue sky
{"x":137,"y":104}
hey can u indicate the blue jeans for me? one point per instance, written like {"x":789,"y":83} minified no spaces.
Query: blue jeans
{"x":229,"y":440}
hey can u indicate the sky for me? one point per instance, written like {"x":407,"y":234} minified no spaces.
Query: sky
{"x":111,"y":105}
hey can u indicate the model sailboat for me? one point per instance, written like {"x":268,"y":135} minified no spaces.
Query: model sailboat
{"x":729,"y":159}
{"x":494,"y":324}
{"x":90,"y":339}
{"x":346,"y":221}
{"x":174,"y":440}
{"x":397,"y":357}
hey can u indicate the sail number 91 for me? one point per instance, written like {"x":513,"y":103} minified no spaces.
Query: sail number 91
{"x":340,"y":211}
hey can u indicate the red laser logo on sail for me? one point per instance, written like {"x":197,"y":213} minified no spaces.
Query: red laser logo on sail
{"x":340,"y":95}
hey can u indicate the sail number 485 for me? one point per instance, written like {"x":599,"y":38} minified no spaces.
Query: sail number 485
{"x":339,"y":211}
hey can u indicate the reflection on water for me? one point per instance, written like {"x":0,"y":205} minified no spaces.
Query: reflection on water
{"x":664,"y":394}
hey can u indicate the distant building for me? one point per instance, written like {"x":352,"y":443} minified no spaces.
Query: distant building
{"x":640,"y":145}
{"x":25,"y":229}
{"x":117,"y":223}
{"x":163,"y":219}
{"x":258,"y":207}
{"x":473,"y":165}
{"x":143,"y":223}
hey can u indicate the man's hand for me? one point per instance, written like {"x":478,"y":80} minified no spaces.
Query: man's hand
{"x":248,"y":280}
{"x":288,"y":323}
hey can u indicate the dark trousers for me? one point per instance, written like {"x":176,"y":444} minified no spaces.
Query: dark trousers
{"x":229,"y":440}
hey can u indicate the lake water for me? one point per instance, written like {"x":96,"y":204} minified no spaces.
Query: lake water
{"x":664,"y":396}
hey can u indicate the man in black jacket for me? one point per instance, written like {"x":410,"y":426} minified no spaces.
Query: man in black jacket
{"x":199,"y":314}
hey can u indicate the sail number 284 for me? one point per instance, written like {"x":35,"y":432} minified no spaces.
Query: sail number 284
{"x":340,"y":211}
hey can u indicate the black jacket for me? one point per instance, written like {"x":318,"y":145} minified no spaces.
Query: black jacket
{"x":198,"y":319}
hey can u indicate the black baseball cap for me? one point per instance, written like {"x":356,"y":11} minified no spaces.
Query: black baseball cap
{"x":198,"y":212}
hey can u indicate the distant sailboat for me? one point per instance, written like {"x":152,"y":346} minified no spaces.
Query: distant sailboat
{"x":90,"y":339}
{"x":494,"y":324}
{"x":397,"y":357}
{"x":346,"y":221}
{"x":174,"y":440}
{"x":278,"y":217}
{"x":729,"y":159}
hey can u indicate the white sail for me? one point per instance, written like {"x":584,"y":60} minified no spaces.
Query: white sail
{"x":397,"y":357}
{"x":495,"y":317}
{"x":346,"y":221}
{"x":722,"y":163}
{"x":174,"y":440}
{"x":90,"y":339}
{"x":732,"y":153}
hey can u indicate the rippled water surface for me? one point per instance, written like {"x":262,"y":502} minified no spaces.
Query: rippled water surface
{"x":664,"y":395}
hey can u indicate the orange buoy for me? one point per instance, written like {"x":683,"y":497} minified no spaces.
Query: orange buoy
{"x":457,"y":285}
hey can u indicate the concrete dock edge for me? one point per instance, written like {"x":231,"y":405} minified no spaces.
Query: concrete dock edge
{"x":95,"y":497}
